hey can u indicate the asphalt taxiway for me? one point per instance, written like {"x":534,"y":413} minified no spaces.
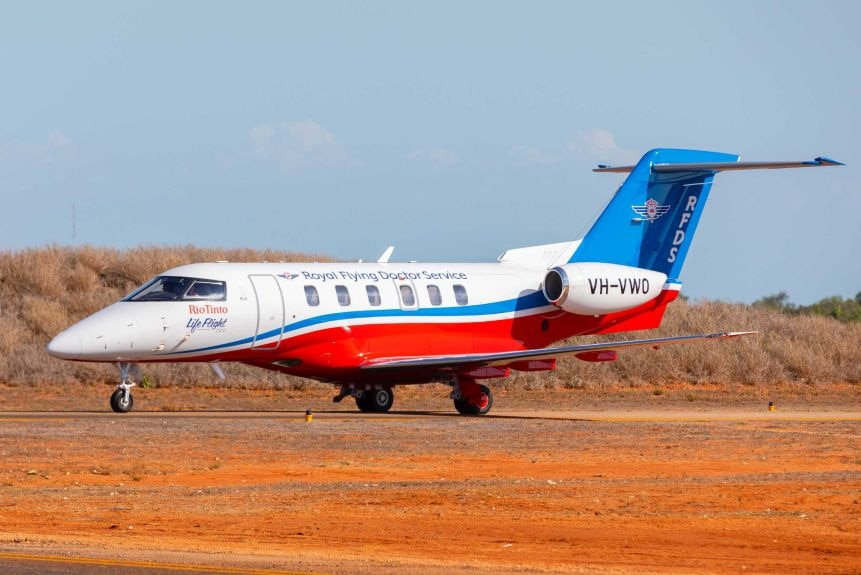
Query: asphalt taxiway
{"x":636,"y":415}
{"x":29,"y":564}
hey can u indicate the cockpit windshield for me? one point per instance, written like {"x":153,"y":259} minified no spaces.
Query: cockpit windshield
{"x":175,"y":288}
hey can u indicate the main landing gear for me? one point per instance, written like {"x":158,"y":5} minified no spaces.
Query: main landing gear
{"x":377,"y":399}
{"x":469,"y":397}
{"x":121,"y":399}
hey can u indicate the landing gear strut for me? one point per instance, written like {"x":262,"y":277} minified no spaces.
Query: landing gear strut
{"x":471,"y":398}
{"x":121,"y":399}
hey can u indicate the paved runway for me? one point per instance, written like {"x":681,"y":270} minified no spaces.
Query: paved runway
{"x":23,"y":564}
{"x":638,"y":415}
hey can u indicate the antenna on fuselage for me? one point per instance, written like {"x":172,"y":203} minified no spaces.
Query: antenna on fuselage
{"x":384,"y":259}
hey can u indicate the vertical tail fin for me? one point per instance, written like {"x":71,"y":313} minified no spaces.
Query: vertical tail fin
{"x":651,"y":220}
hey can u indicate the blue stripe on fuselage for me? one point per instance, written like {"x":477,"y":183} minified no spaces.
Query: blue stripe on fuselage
{"x":531,"y":301}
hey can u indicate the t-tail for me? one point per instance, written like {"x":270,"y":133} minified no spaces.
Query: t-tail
{"x":652,"y":219}
{"x":639,"y":243}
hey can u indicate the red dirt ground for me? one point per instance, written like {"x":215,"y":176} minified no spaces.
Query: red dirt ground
{"x":674,"y":486}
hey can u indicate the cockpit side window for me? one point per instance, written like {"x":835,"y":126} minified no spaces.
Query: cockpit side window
{"x":205,"y":290}
{"x":176,"y":288}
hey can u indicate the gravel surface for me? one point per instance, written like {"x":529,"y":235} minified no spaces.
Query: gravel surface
{"x":705,"y":490}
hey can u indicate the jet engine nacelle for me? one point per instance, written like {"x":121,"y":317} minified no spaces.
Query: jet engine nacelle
{"x":595,"y":289}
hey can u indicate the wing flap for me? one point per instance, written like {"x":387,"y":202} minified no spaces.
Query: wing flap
{"x":504,"y":358}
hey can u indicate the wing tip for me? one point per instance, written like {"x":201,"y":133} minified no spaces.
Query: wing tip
{"x":732,"y":334}
{"x":825,"y":161}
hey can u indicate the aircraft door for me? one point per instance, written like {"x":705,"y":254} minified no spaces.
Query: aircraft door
{"x":410,"y":338}
{"x":270,"y":312}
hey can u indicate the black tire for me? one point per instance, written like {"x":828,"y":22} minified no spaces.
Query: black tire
{"x":376,"y":400}
{"x":118,"y":403}
{"x":362,"y":401}
{"x":465,"y":407}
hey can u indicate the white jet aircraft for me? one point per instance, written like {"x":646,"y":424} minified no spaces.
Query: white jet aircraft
{"x":367,"y":327}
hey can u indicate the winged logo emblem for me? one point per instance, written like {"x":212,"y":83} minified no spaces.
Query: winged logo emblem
{"x":651,"y":210}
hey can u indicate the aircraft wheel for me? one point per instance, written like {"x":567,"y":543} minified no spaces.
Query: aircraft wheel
{"x":119,"y":403}
{"x":376,"y":400}
{"x":362,"y":401}
{"x":479,"y":407}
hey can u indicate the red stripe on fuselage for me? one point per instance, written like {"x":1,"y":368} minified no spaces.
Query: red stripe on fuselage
{"x":335,"y":353}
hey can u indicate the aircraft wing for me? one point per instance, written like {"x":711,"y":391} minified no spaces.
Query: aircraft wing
{"x":473,"y":360}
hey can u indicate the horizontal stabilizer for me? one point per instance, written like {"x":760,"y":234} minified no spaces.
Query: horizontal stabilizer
{"x":453,"y":362}
{"x":715,"y":167}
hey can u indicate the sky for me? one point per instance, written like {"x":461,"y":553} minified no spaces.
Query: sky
{"x":451,"y":130}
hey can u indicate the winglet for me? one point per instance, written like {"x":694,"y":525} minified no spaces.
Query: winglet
{"x":823,"y":161}
{"x":384,"y":259}
{"x":731,"y":334}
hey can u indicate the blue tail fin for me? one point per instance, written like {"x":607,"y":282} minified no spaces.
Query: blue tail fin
{"x":651,"y":220}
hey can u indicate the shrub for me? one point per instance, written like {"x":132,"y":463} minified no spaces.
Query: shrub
{"x":42,"y":291}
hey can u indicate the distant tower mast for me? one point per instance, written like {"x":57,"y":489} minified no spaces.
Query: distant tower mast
{"x":74,"y":224}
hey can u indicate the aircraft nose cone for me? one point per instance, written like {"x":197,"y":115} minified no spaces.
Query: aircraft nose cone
{"x":67,"y":345}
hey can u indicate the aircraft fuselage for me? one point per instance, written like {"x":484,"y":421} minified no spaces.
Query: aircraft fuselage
{"x":325,"y":320}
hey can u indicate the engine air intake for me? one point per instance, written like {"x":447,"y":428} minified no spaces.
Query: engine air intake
{"x":555,"y":284}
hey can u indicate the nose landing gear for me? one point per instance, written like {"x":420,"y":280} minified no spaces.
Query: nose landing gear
{"x":121,"y":399}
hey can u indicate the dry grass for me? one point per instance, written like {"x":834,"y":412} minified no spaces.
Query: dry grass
{"x":44,"y":290}
{"x":788,"y":349}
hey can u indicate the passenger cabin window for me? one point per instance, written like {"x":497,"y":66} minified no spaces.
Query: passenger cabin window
{"x":460,"y":295}
{"x":343,"y":295}
{"x":408,"y":297}
{"x":176,"y":288}
{"x":311,"y":296}
{"x":373,"y":295}
{"x":434,"y":295}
